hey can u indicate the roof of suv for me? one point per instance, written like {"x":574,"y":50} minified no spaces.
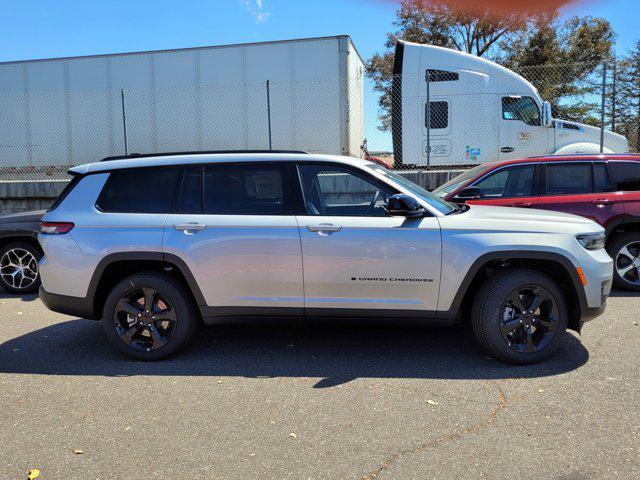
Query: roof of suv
{"x":574,"y":157}
{"x":195,"y":159}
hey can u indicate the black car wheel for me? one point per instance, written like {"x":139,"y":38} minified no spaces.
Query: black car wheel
{"x":520,"y":316}
{"x":149,"y":316}
{"x":625,"y":251}
{"x":19,"y":267}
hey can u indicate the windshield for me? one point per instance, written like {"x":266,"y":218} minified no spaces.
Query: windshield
{"x":445,"y":189}
{"x":440,"y":205}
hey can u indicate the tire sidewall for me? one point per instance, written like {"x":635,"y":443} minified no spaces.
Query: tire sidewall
{"x":173,"y":292}
{"x":493,"y":315}
{"x":36,"y":253}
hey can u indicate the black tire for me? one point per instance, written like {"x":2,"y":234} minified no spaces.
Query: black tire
{"x":618,"y":243}
{"x":178,"y":304}
{"x":492,"y":303}
{"x":7,"y":259}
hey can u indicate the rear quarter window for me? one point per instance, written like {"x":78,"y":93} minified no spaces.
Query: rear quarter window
{"x":139,"y":191}
{"x":626,"y":176}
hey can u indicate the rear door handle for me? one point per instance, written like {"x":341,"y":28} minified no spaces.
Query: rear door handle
{"x":603,"y":201}
{"x":190,"y":227}
{"x":521,"y":204}
{"x":324,"y":228}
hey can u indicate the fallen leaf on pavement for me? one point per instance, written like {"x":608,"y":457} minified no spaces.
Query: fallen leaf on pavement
{"x":33,"y":472}
{"x":293,"y":435}
{"x":540,"y":390}
{"x":432,"y":402}
{"x":78,"y":451}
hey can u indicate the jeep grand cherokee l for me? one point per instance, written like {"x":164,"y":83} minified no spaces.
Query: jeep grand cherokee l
{"x":604,"y":188}
{"x":155,"y":244}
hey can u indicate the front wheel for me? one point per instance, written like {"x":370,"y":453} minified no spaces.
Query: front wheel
{"x":625,"y":251}
{"x":520,"y":316}
{"x":149,"y":316}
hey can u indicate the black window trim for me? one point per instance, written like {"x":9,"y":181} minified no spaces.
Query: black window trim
{"x":612,"y":184}
{"x":301,"y":206}
{"x":535,"y":187}
{"x":543,"y":183}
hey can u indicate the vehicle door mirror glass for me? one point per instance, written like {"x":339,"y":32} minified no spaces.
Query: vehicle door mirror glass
{"x":401,"y":205}
{"x":469,"y":193}
{"x":547,"y":120}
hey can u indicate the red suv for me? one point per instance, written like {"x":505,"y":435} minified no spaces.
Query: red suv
{"x":604,"y":188}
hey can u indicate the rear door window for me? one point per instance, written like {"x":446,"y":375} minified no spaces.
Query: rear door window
{"x":148,"y":190}
{"x":626,"y":176}
{"x":246,"y":189}
{"x":509,"y":182}
{"x":568,"y":179}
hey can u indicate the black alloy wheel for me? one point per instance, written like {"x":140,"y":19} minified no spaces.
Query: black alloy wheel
{"x":145,"y":319}
{"x":529,"y":319}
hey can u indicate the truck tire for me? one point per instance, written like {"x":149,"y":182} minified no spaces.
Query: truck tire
{"x":19,"y":268}
{"x":519,"y":316}
{"x":149,"y":316}
{"x":625,"y":251}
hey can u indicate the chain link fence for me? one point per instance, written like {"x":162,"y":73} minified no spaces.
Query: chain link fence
{"x":441,"y":120}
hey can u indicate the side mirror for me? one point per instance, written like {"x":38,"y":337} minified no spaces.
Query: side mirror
{"x":402,"y":205}
{"x":469,"y":193}
{"x":547,"y":120}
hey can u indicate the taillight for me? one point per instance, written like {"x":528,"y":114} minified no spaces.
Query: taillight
{"x":56,"y":228}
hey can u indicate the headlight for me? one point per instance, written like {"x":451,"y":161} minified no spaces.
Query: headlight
{"x":592,"y":241}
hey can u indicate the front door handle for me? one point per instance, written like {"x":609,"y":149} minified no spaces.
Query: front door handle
{"x":521,"y":204}
{"x":190,"y":228}
{"x":603,"y":201}
{"x":324,"y":228}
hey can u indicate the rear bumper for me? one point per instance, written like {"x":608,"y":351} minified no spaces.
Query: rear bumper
{"x":75,"y":306}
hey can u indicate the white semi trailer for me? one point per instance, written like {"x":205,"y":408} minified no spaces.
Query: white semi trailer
{"x":478,"y":111}
{"x":60,"y":112}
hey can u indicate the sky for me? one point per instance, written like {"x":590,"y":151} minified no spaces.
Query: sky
{"x":43,"y":29}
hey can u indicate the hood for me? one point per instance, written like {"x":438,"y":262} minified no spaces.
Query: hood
{"x":573,"y":137}
{"x":511,"y":219}
{"x":26,"y":217}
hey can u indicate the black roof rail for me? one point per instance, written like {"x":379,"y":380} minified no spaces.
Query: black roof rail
{"x":593,"y":154}
{"x":199,"y":152}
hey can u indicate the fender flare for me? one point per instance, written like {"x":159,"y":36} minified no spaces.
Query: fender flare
{"x":169,"y":258}
{"x":482,"y":260}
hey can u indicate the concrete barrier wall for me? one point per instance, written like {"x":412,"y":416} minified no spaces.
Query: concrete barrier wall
{"x":37,"y":195}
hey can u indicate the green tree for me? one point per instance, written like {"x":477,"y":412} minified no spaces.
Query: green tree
{"x":559,"y":58}
{"x":435,"y":23}
{"x":563,"y":60}
{"x":629,"y":86}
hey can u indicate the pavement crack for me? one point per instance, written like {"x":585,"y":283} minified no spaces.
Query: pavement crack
{"x":444,"y":439}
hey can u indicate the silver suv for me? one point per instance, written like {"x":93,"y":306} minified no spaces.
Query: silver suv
{"x":153,"y":245}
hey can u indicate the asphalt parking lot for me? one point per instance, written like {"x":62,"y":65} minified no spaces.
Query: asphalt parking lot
{"x":316,"y":401}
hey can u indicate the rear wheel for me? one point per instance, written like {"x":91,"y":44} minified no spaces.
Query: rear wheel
{"x":625,"y":251}
{"x":19,"y":267}
{"x":520,"y":316}
{"x":149,"y":316}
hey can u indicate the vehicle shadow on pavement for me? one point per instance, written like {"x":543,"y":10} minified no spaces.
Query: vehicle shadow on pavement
{"x":336,"y":353}
{"x":615,"y":293}
{"x":27,"y":297}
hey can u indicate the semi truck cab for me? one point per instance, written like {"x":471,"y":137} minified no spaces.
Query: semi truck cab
{"x":467,"y":110}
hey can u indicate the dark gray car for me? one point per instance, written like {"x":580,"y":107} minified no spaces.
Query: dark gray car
{"x":20,"y":251}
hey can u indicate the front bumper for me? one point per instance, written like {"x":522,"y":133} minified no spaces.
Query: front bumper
{"x":83,"y":307}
